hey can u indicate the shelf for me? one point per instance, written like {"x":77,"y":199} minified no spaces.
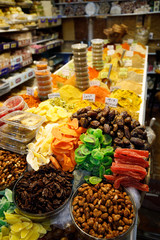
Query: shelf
{"x":85,"y":2}
{"x":151,"y":72}
{"x":85,"y":16}
{"x":19,"y":64}
{"x":43,"y":41}
{"x":47,"y":47}
{"x":151,"y":54}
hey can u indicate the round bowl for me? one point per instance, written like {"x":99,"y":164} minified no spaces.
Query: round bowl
{"x":36,"y":216}
{"x":15,"y":103}
{"x":84,"y":235}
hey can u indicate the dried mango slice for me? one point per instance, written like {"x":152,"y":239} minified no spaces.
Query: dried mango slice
{"x":11,"y":218}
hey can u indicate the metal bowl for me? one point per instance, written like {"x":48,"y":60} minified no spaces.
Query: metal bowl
{"x":84,"y":235}
{"x":35,"y":216}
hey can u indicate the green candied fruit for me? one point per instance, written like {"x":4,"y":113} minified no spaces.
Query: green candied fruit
{"x":108,"y":172}
{"x":8,"y":194}
{"x":85,"y":150}
{"x":109,"y":151}
{"x":94,"y":180}
{"x":86,"y":178}
{"x":89,"y":139}
{"x":107,"y":161}
{"x":94,"y":161}
{"x":101,"y":171}
{"x":82,"y":137}
{"x":106,"y":140}
{"x":79,"y":157}
{"x":90,"y":131}
{"x":98,"y":133}
{"x":97,"y":154}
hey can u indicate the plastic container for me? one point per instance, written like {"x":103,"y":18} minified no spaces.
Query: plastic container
{"x":79,"y":59}
{"x":15,"y":103}
{"x":80,"y":54}
{"x":97,"y":42}
{"x":44,"y":93}
{"x":42,"y":216}
{"x":84,"y":235}
{"x":80,"y":64}
{"x":81,"y":79}
{"x":42,"y":72}
{"x":44,"y":83}
{"x":97,"y":54}
{"x":41,"y":65}
{"x":82,"y":83}
{"x":3,"y":111}
{"x":81,"y":69}
{"x":81,"y":74}
{"x":82,"y":88}
{"x":43,"y":78}
{"x":79,"y":47}
{"x":23,"y":121}
{"x":45,"y":88}
{"x":97,"y":50}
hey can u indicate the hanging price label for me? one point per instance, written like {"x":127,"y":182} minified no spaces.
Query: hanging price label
{"x":129,"y":54}
{"x":130,"y":41}
{"x":94,"y":83}
{"x":110,"y":52}
{"x":128,"y":63}
{"x":53,"y":95}
{"x":112,"y":102}
{"x":30,"y":91}
{"x":110,"y":47}
{"x":89,"y":97}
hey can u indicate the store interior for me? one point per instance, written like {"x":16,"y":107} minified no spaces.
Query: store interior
{"x":79,"y":119}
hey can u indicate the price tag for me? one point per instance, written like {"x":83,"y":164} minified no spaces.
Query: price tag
{"x":112,"y":102}
{"x":94,"y":83}
{"x":110,"y":52}
{"x":13,"y":45}
{"x":53,"y":95}
{"x":130,"y":41}
{"x":112,"y":89}
{"x":89,"y":97}
{"x":110,"y":47}
{"x":6,"y":46}
{"x":129,"y":54}
{"x":128,"y":63}
{"x":30,"y":91}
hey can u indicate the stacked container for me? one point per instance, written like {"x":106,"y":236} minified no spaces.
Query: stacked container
{"x":43,"y":77}
{"x":97,"y":53}
{"x":18,"y":129}
{"x":80,"y":64}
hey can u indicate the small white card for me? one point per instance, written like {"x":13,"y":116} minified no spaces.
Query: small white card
{"x":110,"y":47}
{"x":53,"y":95}
{"x":130,"y":41}
{"x":128,"y":63}
{"x":89,"y":97}
{"x":129,"y":54}
{"x":112,"y":102}
{"x":94,"y":83}
{"x":110,"y":52}
{"x":30,"y":91}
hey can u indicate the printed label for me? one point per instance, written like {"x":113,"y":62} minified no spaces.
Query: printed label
{"x":89,"y":97}
{"x":110,"y":47}
{"x":110,"y":52}
{"x":128,"y":63}
{"x":94,"y":83}
{"x":30,"y":91}
{"x":112,"y":102}
{"x":129,"y":54}
{"x":53,"y":95}
{"x":130,"y":41}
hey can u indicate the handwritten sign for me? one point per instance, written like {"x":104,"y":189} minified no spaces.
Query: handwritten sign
{"x":112,"y":102}
{"x":94,"y":83}
{"x":89,"y":97}
{"x":30,"y":91}
{"x":129,"y":54}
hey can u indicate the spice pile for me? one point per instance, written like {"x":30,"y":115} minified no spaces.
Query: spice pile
{"x":31,"y":100}
{"x":44,"y":190}
{"x":125,"y":131}
{"x":101,"y":211}
{"x":12,"y":166}
{"x":129,"y":168}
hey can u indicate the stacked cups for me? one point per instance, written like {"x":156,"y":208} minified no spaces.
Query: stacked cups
{"x":80,"y":64}
{"x":97,"y":54}
{"x":43,"y":77}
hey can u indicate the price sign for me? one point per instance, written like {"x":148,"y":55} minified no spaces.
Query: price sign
{"x":110,"y":52}
{"x":6,"y":46}
{"x":129,"y":54}
{"x":130,"y":41}
{"x":89,"y":97}
{"x":30,"y":91}
{"x":110,"y":47}
{"x":114,"y":88}
{"x":53,"y":95}
{"x":13,"y":45}
{"x":128,"y":63}
{"x":94,"y":83}
{"x":112,"y":102}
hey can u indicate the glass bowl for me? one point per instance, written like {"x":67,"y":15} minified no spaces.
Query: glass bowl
{"x":84,"y":235}
{"x":36,"y":216}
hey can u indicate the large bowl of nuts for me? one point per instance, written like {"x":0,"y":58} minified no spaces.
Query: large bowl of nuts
{"x":102,"y":212}
{"x":44,"y":193}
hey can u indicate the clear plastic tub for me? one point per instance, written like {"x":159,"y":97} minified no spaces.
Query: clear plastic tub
{"x":42,"y":72}
{"x":13,"y":132}
{"x":80,"y":54}
{"x":45,"y":88}
{"x":15,"y":103}
{"x":3,"y":111}
{"x":97,"y":50}
{"x":23,"y":121}
{"x":97,"y":41}
{"x":82,"y":78}
{"x":44,"y":93}
{"x":43,"y":78}
{"x":82,"y":88}
{"x":13,"y":148}
{"x":82,"y":83}
{"x":41,"y":65}
{"x":82,"y":74}
{"x":97,"y":54}
{"x":44,"y":83}
{"x":97,"y":59}
{"x":80,"y":64}
{"x":79,"y":59}
{"x":81,"y":69}
{"x":79,"y":47}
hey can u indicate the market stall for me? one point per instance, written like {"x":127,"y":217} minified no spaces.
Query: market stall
{"x":77,"y":154}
